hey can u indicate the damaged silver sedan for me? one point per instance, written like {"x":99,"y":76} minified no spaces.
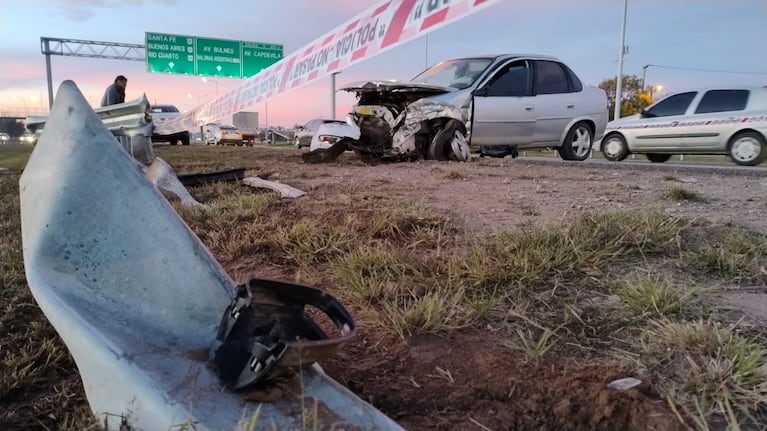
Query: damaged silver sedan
{"x":495,"y":105}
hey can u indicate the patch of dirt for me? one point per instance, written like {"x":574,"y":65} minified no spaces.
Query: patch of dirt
{"x":500,"y":194}
{"x":467,"y":381}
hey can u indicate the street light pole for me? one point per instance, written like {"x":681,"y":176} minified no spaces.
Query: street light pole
{"x":333,"y":95}
{"x":644,"y":74}
{"x":619,"y":81}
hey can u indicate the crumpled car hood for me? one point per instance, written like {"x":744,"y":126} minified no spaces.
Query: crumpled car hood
{"x":396,"y":87}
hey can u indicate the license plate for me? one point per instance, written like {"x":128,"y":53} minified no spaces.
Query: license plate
{"x":365,"y":111}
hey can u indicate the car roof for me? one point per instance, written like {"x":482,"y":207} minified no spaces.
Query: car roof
{"x":508,"y":56}
{"x":164,"y":108}
{"x":722,"y":87}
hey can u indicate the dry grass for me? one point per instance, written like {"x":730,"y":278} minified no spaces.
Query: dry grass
{"x":707,"y":368}
{"x":681,"y":194}
{"x":39,"y":383}
{"x":734,"y":256}
{"x":560,"y":290}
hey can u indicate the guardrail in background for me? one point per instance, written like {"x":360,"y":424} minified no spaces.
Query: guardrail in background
{"x":385,"y":25}
{"x":127,"y":121}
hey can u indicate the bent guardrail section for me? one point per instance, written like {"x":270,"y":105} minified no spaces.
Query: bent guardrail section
{"x":127,"y":121}
{"x":135,"y":295}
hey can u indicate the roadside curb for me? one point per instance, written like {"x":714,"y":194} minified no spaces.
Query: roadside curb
{"x":657,"y":167}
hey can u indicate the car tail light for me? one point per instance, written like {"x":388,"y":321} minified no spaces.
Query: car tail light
{"x":328,"y":139}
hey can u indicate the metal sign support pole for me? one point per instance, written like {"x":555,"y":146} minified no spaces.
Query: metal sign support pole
{"x":48,"y":75}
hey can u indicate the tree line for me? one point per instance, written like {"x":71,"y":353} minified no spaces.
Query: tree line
{"x":634,"y":97}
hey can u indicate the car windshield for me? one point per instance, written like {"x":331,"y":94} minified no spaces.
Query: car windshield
{"x":457,"y":74}
{"x":228,"y":128}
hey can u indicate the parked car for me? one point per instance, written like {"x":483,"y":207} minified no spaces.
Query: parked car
{"x":331,"y":132}
{"x":305,"y":133}
{"x":513,"y":101}
{"x":4,"y":138}
{"x":724,"y":120}
{"x":223,"y":134}
{"x":160,"y":113}
{"x":30,"y":137}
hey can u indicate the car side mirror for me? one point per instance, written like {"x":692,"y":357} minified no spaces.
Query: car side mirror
{"x":645,"y":114}
{"x":482,"y":92}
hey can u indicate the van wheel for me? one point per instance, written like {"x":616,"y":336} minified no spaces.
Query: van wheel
{"x":614,"y":147}
{"x":657,"y":158}
{"x":747,"y":148}
{"x":578,"y":142}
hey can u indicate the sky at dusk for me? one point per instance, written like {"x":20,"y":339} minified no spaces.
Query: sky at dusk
{"x":720,"y":35}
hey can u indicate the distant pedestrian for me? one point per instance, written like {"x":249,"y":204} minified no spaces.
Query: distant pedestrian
{"x":115,"y":93}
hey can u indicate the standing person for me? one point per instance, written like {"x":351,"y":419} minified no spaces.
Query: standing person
{"x":115,"y":93}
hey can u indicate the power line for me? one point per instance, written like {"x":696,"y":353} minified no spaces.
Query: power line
{"x":705,"y":70}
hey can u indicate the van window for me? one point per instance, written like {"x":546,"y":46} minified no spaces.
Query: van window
{"x":722,"y":101}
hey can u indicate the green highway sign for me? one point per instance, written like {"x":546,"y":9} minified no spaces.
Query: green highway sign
{"x":257,"y":56}
{"x":190,"y":55}
{"x":219,"y":58}
{"x":170,"y":53}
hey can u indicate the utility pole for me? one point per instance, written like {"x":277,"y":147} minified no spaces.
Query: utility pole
{"x":619,"y":81}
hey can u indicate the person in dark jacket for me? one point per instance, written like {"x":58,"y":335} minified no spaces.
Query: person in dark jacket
{"x":115,"y":93}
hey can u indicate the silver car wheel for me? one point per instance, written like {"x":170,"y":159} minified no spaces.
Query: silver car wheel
{"x":581,"y":141}
{"x":746,"y":149}
{"x":613,"y":147}
{"x":460,"y":147}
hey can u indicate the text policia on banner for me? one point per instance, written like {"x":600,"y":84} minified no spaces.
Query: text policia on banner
{"x":385,"y":25}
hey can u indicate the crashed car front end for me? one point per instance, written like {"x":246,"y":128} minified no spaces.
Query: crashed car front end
{"x":407,"y":120}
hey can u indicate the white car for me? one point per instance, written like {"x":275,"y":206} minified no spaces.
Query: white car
{"x":161,"y":113}
{"x":222,"y":134}
{"x":305,"y":133}
{"x":329,"y":133}
{"x":724,"y":120}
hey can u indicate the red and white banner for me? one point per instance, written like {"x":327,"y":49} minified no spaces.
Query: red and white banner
{"x":383,"y":26}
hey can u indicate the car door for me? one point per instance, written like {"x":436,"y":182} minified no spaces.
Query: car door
{"x":504,"y":112}
{"x":555,"y":105}
{"x":707,"y":133}
{"x":661,"y":127}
